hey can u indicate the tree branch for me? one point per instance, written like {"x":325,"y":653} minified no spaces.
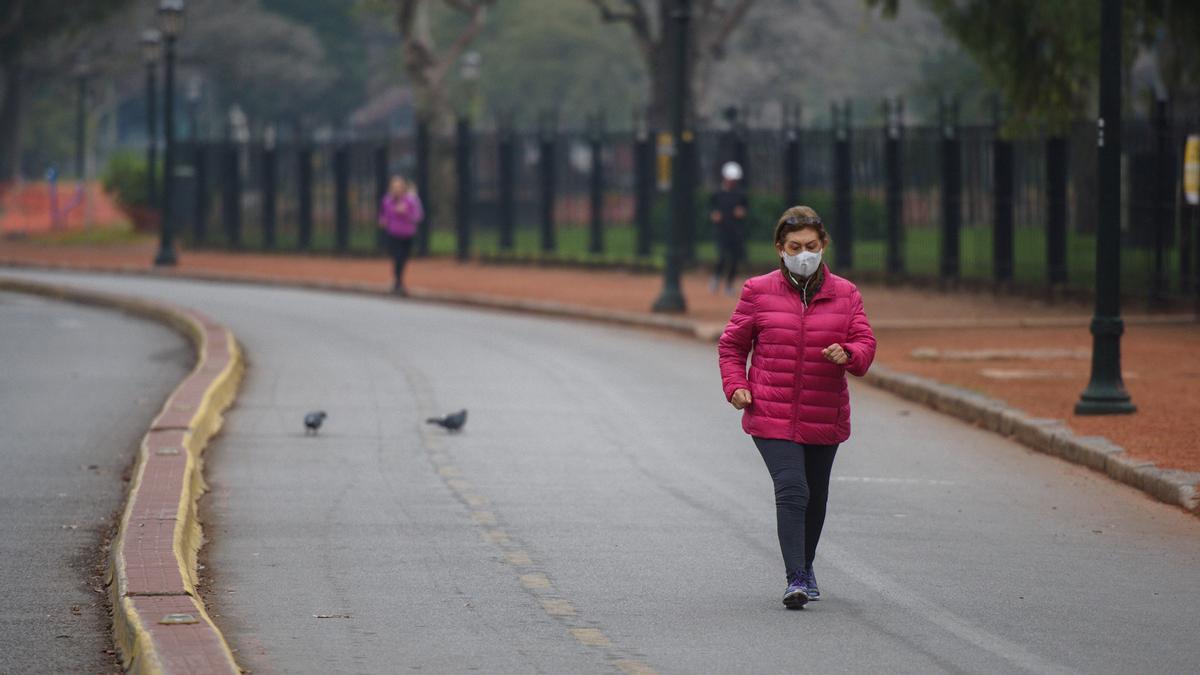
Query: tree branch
{"x":634,"y":15}
{"x":478,"y":12}
{"x":418,"y":53}
{"x":730,"y":20}
{"x":13,"y":21}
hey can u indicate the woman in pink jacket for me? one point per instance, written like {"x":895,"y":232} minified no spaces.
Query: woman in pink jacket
{"x":806,"y":328}
{"x":399,"y":214}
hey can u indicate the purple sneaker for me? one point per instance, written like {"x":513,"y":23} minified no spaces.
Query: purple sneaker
{"x":810,"y":579}
{"x":796,"y":594}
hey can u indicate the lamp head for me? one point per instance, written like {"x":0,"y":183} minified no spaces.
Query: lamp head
{"x":170,"y":17}
{"x":151,"y":45}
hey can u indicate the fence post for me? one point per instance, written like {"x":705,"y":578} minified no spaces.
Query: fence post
{"x":1056,"y":215}
{"x":1187,"y":223}
{"x":893,"y":113}
{"x":547,"y":155}
{"x":951,"y":191}
{"x":232,"y":193}
{"x":1161,"y":210}
{"x":689,"y":172}
{"x":596,"y":185}
{"x":341,"y":197}
{"x":1002,"y":202}
{"x":791,"y":156}
{"x":424,"y":186}
{"x":304,"y":156}
{"x":200,"y":207}
{"x":382,"y":177}
{"x":268,"y":189}
{"x":644,"y":155}
{"x":843,"y":187}
{"x":1188,"y":231}
{"x":506,"y":179}
{"x":1194,"y":218}
{"x":741,"y":153}
{"x":462,"y":171}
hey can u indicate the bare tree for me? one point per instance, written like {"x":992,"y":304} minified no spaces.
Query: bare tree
{"x":427,"y":68}
{"x":652,"y":23}
{"x":428,"y":71}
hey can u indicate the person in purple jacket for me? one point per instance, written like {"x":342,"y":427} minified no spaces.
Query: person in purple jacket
{"x":806,"y":328}
{"x":399,"y":214}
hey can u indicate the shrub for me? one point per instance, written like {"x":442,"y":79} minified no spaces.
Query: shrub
{"x":124,"y":177}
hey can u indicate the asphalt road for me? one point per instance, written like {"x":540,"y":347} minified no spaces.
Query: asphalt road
{"x":78,"y":387}
{"x":603,"y":510}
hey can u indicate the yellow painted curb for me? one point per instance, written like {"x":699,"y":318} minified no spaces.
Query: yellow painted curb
{"x":132,"y":632}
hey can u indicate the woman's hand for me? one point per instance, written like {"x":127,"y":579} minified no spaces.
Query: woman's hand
{"x":836,"y":354}
{"x":740,"y":398}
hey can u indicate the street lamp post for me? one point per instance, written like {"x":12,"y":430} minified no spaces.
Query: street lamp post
{"x":1105,"y":393}
{"x":469,"y":70}
{"x":671,"y":298}
{"x":82,"y":70}
{"x":194,"y":91}
{"x":151,"y":52}
{"x":170,"y":14}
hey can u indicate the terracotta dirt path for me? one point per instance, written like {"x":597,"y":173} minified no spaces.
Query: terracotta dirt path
{"x":1161,"y":358}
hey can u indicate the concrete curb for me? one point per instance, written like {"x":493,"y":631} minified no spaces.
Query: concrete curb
{"x":1049,"y":436}
{"x":525,"y":306}
{"x":159,"y":621}
{"x":1044,"y":435}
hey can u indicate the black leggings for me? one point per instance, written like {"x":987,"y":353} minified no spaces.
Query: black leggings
{"x":801,"y":476}
{"x":399,"y":248}
{"x":729,"y":254}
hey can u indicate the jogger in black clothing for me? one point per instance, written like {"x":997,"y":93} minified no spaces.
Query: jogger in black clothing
{"x":400,"y":248}
{"x":727,"y":212}
{"x":801,"y":477}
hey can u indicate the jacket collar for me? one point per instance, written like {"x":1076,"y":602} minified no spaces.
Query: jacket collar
{"x":825,"y":292}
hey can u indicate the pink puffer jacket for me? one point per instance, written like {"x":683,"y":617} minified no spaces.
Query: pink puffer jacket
{"x":796,"y":394}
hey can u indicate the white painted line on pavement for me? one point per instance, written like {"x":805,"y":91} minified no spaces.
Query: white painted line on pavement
{"x":892,"y":481}
{"x":956,"y":625}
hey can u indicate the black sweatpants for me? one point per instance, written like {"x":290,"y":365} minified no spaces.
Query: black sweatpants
{"x":801,"y":476}
{"x":399,"y":247}
{"x":729,"y":253}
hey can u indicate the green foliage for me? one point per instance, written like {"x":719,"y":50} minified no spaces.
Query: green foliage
{"x":340,"y":34}
{"x":948,"y":73}
{"x":1179,"y":50}
{"x":125,"y":178}
{"x":547,"y":54}
{"x":273,"y":67}
{"x":41,"y":20}
{"x":1043,"y":56}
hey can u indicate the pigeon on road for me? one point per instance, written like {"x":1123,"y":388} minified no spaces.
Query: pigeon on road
{"x":312,"y":422}
{"x":451,"y":422}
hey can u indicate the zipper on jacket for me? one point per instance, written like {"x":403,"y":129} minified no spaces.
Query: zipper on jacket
{"x":800,"y":359}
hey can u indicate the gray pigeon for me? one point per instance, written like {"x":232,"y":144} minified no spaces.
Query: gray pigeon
{"x":451,"y":422}
{"x":312,"y":422}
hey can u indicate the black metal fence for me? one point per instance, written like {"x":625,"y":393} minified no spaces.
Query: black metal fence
{"x":946,"y":202}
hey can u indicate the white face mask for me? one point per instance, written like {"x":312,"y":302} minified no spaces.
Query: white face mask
{"x":803,"y":264}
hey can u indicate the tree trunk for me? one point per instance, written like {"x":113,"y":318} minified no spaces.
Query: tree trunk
{"x":10,"y":118}
{"x":436,"y":109}
{"x":661,"y":82}
{"x":660,"y":65}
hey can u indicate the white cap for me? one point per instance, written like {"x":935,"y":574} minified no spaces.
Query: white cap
{"x":731,"y":171}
